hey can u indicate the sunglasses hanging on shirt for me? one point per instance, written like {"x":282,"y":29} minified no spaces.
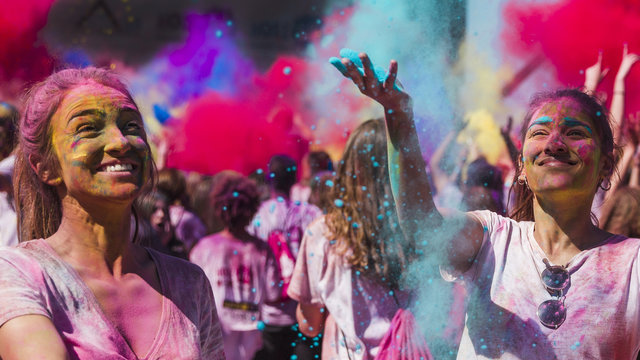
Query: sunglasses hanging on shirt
{"x":555,"y":279}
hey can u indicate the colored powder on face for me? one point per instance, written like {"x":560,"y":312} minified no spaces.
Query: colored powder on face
{"x":541,"y":120}
{"x":574,"y":122}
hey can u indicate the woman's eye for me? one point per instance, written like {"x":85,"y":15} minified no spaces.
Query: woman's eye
{"x":575,"y":133}
{"x":537,"y":133}
{"x":133,"y":125}
{"x":85,"y":128}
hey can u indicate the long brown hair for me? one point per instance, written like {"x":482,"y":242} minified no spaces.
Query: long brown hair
{"x":362,"y":219}
{"x":523,"y":208}
{"x":38,"y":206}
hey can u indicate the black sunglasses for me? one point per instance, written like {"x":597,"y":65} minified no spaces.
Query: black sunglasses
{"x":556,"y":279}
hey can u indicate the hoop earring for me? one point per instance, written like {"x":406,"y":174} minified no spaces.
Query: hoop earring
{"x":607,"y":188}
{"x":522,"y":181}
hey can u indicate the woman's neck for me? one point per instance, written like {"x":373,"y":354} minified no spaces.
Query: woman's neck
{"x":94,"y":237}
{"x":564,"y":229}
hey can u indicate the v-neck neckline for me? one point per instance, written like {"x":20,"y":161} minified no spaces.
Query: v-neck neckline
{"x":91,"y":297}
{"x":538,"y":253}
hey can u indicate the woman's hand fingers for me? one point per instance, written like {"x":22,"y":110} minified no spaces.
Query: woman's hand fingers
{"x":337,"y":63}
{"x":374,"y":82}
{"x":390,"y":81}
{"x":354,"y":74}
{"x":370,"y":80}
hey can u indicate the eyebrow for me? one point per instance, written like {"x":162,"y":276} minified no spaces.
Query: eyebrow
{"x":86,"y":112}
{"x":541,"y":120}
{"x":569,"y":121}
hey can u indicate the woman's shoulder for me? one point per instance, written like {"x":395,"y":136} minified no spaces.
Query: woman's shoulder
{"x":492,"y":221}
{"x":318,"y":231}
{"x":32,"y":251}
{"x":30,"y":261}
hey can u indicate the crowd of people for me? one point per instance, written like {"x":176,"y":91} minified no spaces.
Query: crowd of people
{"x":106,"y":254}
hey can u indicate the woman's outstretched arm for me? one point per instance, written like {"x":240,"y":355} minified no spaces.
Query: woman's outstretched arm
{"x":417,"y":212}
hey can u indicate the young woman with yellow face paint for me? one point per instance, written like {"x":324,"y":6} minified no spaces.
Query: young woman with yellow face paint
{"x":77,"y":284}
{"x":547,"y":282}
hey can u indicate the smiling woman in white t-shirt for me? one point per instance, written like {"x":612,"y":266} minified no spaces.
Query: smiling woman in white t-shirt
{"x":546,"y":283}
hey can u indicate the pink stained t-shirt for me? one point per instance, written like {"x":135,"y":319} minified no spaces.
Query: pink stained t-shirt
{"x":36,"y":281}
{"x":360,"y":308}
{"x":505,"y":290}
{"x":290,"y":217}
{"x":242,"y":274}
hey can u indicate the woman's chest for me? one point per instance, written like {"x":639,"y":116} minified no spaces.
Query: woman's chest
{"x":133,"y":308}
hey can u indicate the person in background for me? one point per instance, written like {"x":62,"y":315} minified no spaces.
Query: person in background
{"x":201,"y":203}
{"x":352,"y":260}
{"x":188,"y":227}
{"x":240,"y":267}
{"x":8,"y":222}
{"x":290,"y":218}
{"x":155,"y":229}
{"x":626,"y":144}
{"x":78,"y":283}
{"x":483,"y":187}
{"x":263,"y":187}
{"x":316,"y":162}
{"x":321,"y":190}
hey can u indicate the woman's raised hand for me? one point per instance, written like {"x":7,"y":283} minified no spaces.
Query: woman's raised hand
{"x":373,"y":81}
{"x":594,"y":74}
{"x":627,"y":62}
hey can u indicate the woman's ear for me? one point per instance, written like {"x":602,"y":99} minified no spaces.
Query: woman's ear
{"x":45,"y":174}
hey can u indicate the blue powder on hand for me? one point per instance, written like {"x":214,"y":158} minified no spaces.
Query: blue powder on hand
{"x":352,"y":55}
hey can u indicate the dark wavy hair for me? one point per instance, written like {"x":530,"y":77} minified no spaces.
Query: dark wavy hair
{"x":362,"y":218}
{"x":591,"y":106}
{"x":235,"y":199}
{"x":173,"y":184}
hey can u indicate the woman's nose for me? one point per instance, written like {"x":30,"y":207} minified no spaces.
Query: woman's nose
{"x":555,"y":144}
{"x":116,"y":141}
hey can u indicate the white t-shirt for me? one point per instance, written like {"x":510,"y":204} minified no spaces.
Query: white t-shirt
{"x":243,"y":276}
{"x":300,"y":192}
{"x":360,"y":308}
{"x":505,"y":290}
{"x":8,"y":222}
{"x":290,"y":217}
{"x":7,"y":165}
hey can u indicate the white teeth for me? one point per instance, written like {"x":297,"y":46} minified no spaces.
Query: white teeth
{"x":118,"y":167}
